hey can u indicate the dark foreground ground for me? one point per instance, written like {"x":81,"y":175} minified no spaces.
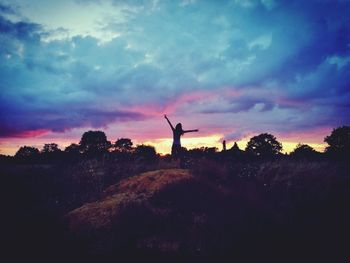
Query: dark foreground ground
{"x":101,"y":210}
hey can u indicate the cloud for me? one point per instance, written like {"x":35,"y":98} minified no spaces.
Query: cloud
{"x":93,"y":64}
{"x":25,"y":122}
{"x":236,"y":136}
{"x":5,"y":9}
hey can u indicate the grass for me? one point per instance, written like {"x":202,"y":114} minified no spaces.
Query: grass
{"x":130,"y":191}
{"x":214,"y":208}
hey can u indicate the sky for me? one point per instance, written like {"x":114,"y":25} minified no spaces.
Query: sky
{"x":232,"y":69}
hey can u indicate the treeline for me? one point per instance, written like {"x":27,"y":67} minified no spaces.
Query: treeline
{"x":94,"y":144}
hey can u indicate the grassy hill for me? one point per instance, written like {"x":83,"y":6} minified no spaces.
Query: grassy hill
{"x":130,"y":192}
{"x":252,"y":210}
{"x":176,"y":213}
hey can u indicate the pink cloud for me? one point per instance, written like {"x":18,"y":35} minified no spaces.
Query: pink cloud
{"x":30,"y":134}
{"x":172,"y":106}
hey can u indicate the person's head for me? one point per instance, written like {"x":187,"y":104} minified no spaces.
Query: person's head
{"x":178,"y":127}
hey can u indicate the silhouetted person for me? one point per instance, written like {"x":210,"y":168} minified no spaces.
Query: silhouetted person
{"x":177,"y":132}
{"x":224,"y":145}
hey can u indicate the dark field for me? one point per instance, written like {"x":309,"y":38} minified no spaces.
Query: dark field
{"x":215,"y":208}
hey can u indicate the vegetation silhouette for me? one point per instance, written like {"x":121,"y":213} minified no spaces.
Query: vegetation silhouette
{"x":305,"y":152}
{"x":50,"y":152}
{"x":72,"y":149}
{"x":94,"y":142}
{"x":50,"y":148}
{"x":146,"y":153}
{"x":123,"y":145}
{"x":27,"y":154}
{"x":339,"y":143}
{"x":72,"y":152}
{"x":264,"y":145}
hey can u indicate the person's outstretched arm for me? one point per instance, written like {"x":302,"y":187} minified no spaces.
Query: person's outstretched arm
{"x":191,"y":130}
{"x":171,"y":126}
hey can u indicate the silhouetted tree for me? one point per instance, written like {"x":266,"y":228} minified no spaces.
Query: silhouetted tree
{"x":304,"y":151}
{"x":202,"y":152}
{"x":123,"y":145}
{"x":27,"y":153}
{"x":146,"y":152}
{"x":72,"y":149}
{"x":339,"y":142}
{"x":264,"y":145}
{"x":94,"y":142}
{"x":50,"y":152}
{"x":50,"y":148}
{"x":6,"y":158}
{"x":72,"y":152}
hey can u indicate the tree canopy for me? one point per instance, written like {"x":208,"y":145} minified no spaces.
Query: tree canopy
{"x":339,"y":142}
{"x":123,"y":145}
{"x":50,"y":148}
{"x":264,"y":145}
{"x":72,"y":148}
{"x":93,"y":142}
{"x":26,"y":151}
{"x":146,"y":152}
{"x":304,"y":151}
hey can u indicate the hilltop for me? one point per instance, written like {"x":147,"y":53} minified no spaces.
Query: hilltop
{"x":167,"y":212}
{"x":133,"y":191}
{"x":153,"y":212}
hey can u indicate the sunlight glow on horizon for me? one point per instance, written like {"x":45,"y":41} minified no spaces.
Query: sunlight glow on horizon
{"x":162,"y":145}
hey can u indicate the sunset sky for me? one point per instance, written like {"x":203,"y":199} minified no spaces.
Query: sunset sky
{"x":232,"y":69}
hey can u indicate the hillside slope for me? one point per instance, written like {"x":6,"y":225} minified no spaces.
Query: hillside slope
{"x":167,"y":212}
{"x":206,"y":214}
{"x":133,"y":191}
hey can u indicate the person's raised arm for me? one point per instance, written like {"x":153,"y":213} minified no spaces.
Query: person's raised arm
{"x":191,"y":130}
{"x":171,"y":126}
